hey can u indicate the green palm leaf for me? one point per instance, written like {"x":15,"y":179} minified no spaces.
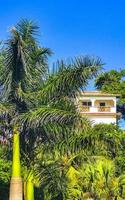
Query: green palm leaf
{"x":44,"y":115}
{"x":69,"y":78}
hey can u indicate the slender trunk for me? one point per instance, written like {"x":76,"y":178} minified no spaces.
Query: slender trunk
{"x":24,"y":189}
{"x":30,"y":187}
{"x":16,"y":192}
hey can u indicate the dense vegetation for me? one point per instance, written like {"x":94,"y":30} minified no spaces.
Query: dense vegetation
{"x":113,"y":81}
{"x":45,"y":140}
{"x":96,"y":170}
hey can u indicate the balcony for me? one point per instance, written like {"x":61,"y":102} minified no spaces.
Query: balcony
{"x":99,"y":109}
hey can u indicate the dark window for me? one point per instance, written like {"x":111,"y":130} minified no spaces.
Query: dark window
{"x":87,"y":103}
{"x":84,"y":103}
{"x":102,"y":104}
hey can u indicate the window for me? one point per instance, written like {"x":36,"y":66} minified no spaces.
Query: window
{"x":87,"y":103}
{"x":102,"y":104}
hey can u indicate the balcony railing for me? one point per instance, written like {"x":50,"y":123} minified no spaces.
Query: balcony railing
{"x":97,"y":109}
{"x":85,"y":109}
{"x":104,"y":109}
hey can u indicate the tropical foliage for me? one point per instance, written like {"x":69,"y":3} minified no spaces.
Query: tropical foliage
{"x":94,"y":171}
{"x":58,"y":153}
{"x":113,"y":82}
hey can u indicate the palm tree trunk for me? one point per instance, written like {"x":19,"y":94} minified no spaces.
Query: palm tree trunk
{"x":30,"y":187}
{"x":16,"y":192}
{"x":24,"y":189}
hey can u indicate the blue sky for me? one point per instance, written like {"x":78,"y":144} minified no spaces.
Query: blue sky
{"x":73,"y":27}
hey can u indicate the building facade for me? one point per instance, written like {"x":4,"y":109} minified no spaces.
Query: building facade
{"x":99,"y":107}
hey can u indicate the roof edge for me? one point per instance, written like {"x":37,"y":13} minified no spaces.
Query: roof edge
{"x":98,"y":93}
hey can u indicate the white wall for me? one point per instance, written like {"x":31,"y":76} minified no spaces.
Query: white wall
{"x":102,"y":119}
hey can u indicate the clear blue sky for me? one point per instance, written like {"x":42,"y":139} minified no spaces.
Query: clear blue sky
{"x":73,"y":27}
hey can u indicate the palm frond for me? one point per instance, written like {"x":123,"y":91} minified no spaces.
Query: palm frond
{"x":70,"y":78}
{"x":6,"y":108}
{"x":25,"y":62}
{"x":45,"y":114}
{"x":28,"y":29}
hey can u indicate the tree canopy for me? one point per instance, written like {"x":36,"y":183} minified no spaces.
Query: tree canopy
{"x":62,"y":155}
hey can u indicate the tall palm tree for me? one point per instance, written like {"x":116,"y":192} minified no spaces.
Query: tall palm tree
{"x":24,"y":63}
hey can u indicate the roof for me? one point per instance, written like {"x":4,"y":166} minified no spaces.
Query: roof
{"x":98,"y":93}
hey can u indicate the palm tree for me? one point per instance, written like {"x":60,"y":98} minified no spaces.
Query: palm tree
{"x":42,"y":99}
{"x":54,"y":110}
{"x":24,"y":63}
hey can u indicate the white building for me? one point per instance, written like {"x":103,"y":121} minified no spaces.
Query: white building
{"x":99,"y":107}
